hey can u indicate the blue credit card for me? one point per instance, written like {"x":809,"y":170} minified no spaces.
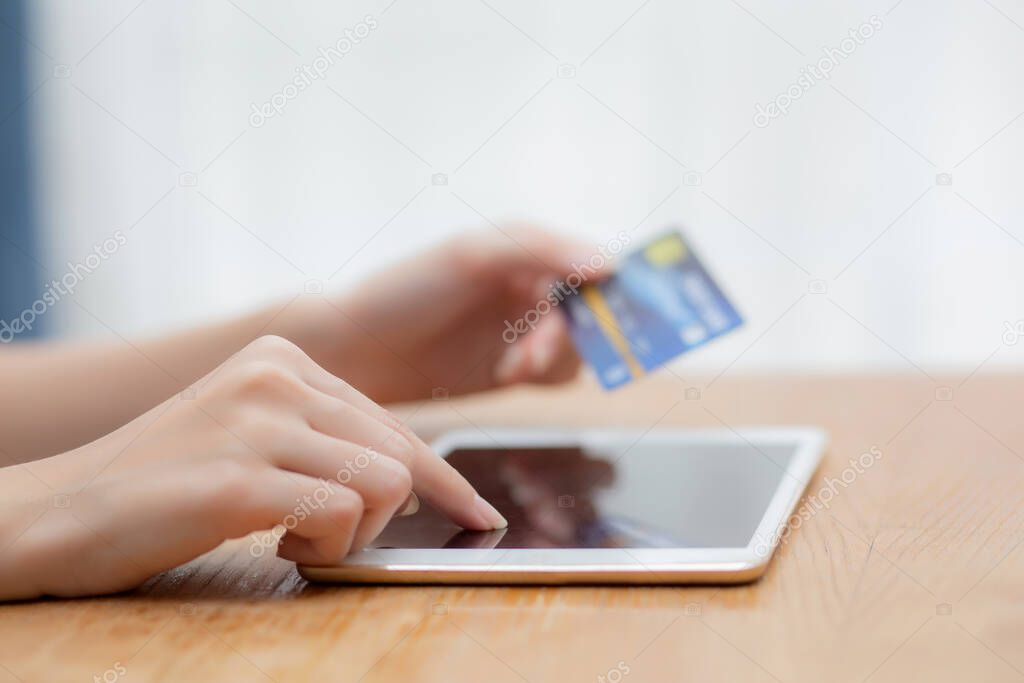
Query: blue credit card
{"x":660,"y":303}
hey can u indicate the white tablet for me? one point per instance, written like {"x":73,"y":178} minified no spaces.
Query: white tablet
{"x":603,"y":506}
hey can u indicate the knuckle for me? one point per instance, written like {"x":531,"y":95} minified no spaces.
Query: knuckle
{"x":396,"y":445}
{"x":391,"y":420}
{"x":260,"y":377}
{"x":347,"y":506}
{"x":272,"y":345}
{"x":404,"y":440}
{"x":394,"y":488}
{"x":402,"y":450}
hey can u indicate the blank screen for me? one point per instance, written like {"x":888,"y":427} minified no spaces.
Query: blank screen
{"x":652,"y":496}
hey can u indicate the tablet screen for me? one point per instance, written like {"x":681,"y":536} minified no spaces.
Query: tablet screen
{"x":711,"y":495}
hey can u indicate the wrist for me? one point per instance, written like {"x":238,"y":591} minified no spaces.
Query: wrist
{"x":23,"y":522}
{"x":39,"y":527}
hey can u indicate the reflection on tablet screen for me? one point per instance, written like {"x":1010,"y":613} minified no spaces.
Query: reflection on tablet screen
{"x":651,"y":496}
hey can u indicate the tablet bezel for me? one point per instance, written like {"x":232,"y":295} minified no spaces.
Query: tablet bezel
{"x":597,"y":565}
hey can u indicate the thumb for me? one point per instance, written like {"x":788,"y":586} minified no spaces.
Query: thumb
{"x":545,"y":355}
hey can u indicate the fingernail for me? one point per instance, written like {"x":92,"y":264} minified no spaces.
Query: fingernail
{"x":411,"y":507}
{"x":509,"y":364}
{"x":490,"y":515}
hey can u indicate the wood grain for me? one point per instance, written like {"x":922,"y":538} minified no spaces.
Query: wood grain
{"x":914,"y":571}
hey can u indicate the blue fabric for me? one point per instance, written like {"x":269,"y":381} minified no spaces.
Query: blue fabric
{"x":20,"y":279}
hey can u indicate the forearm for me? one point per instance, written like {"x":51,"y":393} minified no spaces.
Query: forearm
{"x":57,"y":396}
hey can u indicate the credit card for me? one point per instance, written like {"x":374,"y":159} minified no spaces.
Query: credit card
{"x":660,"y":303}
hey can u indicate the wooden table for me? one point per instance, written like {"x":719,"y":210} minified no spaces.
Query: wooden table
{"x":915,"y":571}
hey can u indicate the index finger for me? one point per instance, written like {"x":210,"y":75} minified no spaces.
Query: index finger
{"x":434,"y":480}
{"x":443,"y":487}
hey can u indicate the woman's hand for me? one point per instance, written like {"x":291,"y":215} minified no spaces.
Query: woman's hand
{"x":475,"y":313}
{"x":267,"y":440}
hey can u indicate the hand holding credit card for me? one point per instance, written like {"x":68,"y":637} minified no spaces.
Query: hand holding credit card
{"x":660,"y":303}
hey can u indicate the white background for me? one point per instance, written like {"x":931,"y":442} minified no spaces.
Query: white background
{"x":841,"y":189}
